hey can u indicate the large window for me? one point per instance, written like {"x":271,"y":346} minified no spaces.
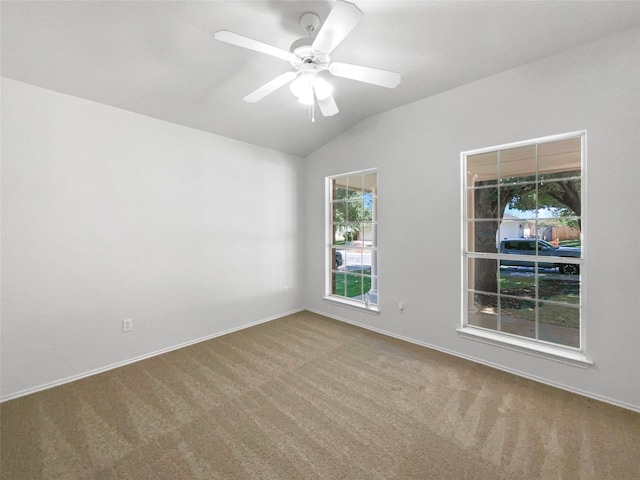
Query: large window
{"x":523,"y":242}
{"x":352,"y":247}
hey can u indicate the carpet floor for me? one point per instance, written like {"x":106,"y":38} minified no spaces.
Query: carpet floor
{"x":307,"y":397}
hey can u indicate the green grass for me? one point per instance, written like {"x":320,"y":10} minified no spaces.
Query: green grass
{"x":571,"y":243}
{"x":548,"y":313}
{"x":355,"y":283}
{"x":516,"y":283}
{"x":552,"y":287}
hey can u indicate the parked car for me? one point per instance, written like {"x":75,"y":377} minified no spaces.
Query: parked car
{"x":527,"y":246}
{"x":338,"y":259}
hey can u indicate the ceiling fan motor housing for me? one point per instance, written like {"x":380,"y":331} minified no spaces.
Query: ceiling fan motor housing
{"x":305,"y":54}
{"x":306,"y":57}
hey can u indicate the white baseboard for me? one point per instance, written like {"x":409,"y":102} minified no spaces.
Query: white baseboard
{"x":96,"y":371}
{"x":600,"y":398}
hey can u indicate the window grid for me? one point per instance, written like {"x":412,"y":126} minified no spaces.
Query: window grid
{"x":534,"y":300}
{"x":352,"y":246}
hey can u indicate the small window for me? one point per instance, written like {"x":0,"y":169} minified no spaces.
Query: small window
{"x":523,"y":225}
{"x":352,"y":276}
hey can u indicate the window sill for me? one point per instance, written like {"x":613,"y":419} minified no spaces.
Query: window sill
{"x":356,"y":305}
{"x":550,"y":352}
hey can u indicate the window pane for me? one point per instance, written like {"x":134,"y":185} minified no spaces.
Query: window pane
{"x":355,"y":210}
{"x":339,"y":284}
{"x":368,"y":234}
{"x":572,"y":269}
{"x":521,"y":200}
{"x":516,"y":228}
{"x":517,"y":316}
{"x":483,"y":203}
{"x":355,"y":285}
{"x":334,"y":234}
{"x":339,"y":188}
{"x":561,"y":232}
{"x":367,"y":261}
{"x":338,"y":236}
{"x":372,"y":293}
{"x":559,"y":287}
{"x":559,"y":158}
{"x":350,"y":232}
{"x":337,"y":256}
{"x":482,"y":169}
{"x":559,"y":324}
{"x":370,"y":183}
{"x":339,"y":212}
{"x":353,"y":260}
{"x":355,"y":185}
{"x":482,"y":236}
{"x":482,"y":275}
{"x":561,"y":197}
{"x":368,"y":207}
{"x":517,"y":164}
{"x":372,"y":201}
{"x":518,"y":281}
{"x":483,"y":310}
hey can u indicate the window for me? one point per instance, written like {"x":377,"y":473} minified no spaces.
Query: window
{"x":523,"y":240}
{"x":352,"y":247}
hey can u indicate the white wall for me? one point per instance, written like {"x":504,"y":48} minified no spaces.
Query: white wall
{"x":108,"y":215}
{"x":417,"y":150}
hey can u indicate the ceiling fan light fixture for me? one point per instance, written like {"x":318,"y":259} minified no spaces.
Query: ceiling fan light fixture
{"x":301,"y":87}
{"x":322,"y":88}
{"x":304,"y":86}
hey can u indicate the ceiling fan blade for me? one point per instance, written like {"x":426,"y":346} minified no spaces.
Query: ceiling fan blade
{"x":342,"y":18}
{"x":246,"y":42}
{"x":328,"y":106}
{"x":270,"y":87}
{"x":382,"y":78}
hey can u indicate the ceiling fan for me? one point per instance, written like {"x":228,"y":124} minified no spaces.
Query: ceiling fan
{"x":309,"y":56}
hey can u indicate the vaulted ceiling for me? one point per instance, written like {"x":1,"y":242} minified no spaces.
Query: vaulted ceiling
{"x":160,"y":59}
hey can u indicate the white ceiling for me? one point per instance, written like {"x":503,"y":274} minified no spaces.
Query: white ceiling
{"x":159,"y":58}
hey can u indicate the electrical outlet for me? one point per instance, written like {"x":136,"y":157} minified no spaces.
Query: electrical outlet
{"x":127,"y":324}
{"x":401,"y":306}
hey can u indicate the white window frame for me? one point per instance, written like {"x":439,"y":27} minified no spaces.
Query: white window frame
{"x":364,"y":304}
{"x":556,"y":352}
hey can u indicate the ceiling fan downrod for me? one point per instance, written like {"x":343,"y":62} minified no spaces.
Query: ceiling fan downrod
{"x":310,"y":22}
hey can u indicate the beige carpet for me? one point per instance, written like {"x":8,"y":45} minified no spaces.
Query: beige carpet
{"x":306,"y":397}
